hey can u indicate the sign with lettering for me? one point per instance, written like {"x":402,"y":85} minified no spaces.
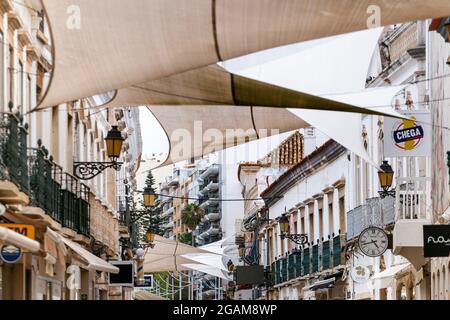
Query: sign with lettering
{"x":436,"y":240}
{"x":26,"y":230}
{"x":408,"y":137}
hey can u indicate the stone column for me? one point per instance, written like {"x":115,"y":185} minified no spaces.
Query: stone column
{"x":308,"y":223}
{"x":336,"y":211}
{"x":325,"y":223}
{"x":278,"y":242}
{"x":317,"y":235}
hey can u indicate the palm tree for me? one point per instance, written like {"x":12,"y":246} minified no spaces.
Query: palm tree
{"x":191,"y":215}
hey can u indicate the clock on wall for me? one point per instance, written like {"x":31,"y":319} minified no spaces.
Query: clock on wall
{"x":373,"y":241}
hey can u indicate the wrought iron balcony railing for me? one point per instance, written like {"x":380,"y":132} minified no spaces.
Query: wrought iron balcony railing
{"x":58,"y":193}
{"x":13,"y":148}
{"x":323,"y":256}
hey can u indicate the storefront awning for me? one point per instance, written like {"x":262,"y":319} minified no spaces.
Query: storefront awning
{"x":94,"y":262}
{"x":18,"y":240}
{"x":104,"y":45}
{"x":323,"y":284}
{"x":385,"y":278}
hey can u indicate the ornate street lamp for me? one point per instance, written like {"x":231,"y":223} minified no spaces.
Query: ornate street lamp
{"x":150,"y":235}
{"x":386,"y":176}
{"x":149,"y":197}
{"x":89,"y":170}
{"x":298,"y":238}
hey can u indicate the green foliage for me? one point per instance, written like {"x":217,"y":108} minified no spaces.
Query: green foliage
{"x":191,"y":215}
{"x":150,"y":216}
{"x":185,"y":237}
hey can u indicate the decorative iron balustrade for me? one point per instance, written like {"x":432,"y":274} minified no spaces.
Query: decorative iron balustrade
{"x":311,"y":259}
{"x":58,"y":193}
{"x":45,"y":183}
{"x":13,"y":147}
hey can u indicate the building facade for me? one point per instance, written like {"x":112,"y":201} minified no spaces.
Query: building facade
{"x":74,"y":222}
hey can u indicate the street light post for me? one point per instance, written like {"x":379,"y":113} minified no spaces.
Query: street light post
{"x":298,"y":238}
{"x":386,"y":176}
{"x":89,"y":170}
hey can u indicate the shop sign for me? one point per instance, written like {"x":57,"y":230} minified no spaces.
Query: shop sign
{"x":10,"y":254}
{"x":408,"y":137}
{"x":360,"y":274}
{"x":148,"y":282}
{"x":26,"y":230}
{"x":436,"y":240}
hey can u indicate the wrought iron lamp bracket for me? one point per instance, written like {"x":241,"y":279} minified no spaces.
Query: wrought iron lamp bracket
{"x":89,"y":170}
{"x":298,"y":238}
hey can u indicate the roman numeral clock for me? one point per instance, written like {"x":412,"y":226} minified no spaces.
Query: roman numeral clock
{"x":373,"y":241}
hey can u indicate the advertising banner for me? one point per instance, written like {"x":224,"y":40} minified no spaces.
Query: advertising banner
{"x":408,"y":138}
{"x":436,"y":240}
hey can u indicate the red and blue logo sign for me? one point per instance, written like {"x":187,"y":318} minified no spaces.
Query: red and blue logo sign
{"x":408,"y":135}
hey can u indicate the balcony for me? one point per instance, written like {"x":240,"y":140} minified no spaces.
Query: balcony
{"x":376,"y":211}
{"x":210,"y":172}
{"x":213,"y":202}
{"x":42,"y":183}
{"x":322,"y":257}
{"x":167,"y":213}
{"x":212,"y":216}
{"x":413,"y":211}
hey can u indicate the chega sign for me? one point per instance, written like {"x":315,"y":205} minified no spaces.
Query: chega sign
{"x":408,"y":137}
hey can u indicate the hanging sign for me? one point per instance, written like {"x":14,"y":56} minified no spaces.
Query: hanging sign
{"x":26,"y":230}
{"x":360,"y":274}
{"x":10,"y":254}
{"x":436,"y":240}
{"x":408,"y":137}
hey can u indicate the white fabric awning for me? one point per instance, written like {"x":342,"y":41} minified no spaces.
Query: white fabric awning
{"x":208,"y":259}
{"x":117,"y":43}
{"x":94,"y":262}
{"x":18,"y":240}
{"x":168,"y":255}
{"x":219,"y":247}
{"x":216,"y":272}
{"x":385,"y":278}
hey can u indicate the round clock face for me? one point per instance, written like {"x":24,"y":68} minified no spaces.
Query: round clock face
{"x":373,"y":241}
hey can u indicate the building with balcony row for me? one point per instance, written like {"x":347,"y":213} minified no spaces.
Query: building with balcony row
{"x":75,"y":222}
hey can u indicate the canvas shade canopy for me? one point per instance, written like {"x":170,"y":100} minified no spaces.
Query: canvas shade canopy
{"x":116,"y":44}
{"x":208,"y":259}
{"x":167,"y":255}
{"x":216,"y":272}
{"x":213,"y":85}
{"x":93,"y":262}
{"x":188,"y":107}
{"x":385,"y":278}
